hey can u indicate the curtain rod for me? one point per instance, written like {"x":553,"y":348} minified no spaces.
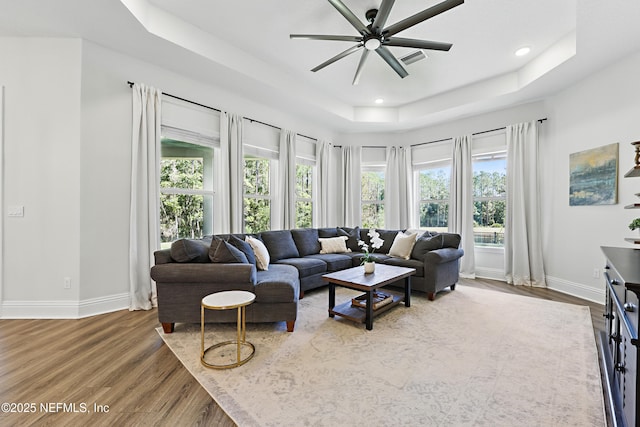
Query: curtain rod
{"x":474,"y":134}
{"x":219,"y":111}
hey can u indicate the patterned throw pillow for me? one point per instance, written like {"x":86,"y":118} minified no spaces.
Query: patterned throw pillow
{"x":403,"y":245}
{"x":334,"y":245}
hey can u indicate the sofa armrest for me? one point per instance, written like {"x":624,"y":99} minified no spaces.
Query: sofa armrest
{"x":440,"y":256}
{"x":204,"y":273}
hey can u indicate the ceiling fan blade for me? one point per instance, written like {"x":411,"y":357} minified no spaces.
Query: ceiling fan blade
{"x":421,"y":16}
{"x":381,"y":17}
{"x":418,"y":44}
{"x":363,"y":59}
{"x":392,"y":61}
{"x":337,"y":57}
{"x":350,"y":16}
{"x":326,"y":37}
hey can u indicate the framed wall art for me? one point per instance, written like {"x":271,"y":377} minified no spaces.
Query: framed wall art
{"x":593,"y":176}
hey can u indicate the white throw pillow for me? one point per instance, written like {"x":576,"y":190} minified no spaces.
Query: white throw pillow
{"x":403,"y":245}
{"x":260,"y":250}
{"x":334,"y":245}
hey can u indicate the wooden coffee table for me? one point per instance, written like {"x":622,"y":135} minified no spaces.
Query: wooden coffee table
{"x":355,"y":278}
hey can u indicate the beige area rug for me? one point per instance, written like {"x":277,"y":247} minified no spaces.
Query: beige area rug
{"x":472,"y":357}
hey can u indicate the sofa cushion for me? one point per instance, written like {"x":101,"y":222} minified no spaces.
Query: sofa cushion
{"x":245,"y":247}
{"x":411,"y":263}
{"x":260,"y":251}
{"x":306,"y":240}
{"x":335,"y":262}
{"x":327,"y":232}
{"x":426,"y":244}
{"x":307,"y":266}
{"x":357,"y":258}
{"x":280,"y":244}
{"x":353,"y":235}
{"x":190,"y":250}
{"x":226,"y":253}
{"x":334,"y":245}
{"x":450,"y":240}
{"x":402,"y":245}
{"x":278,"y":284}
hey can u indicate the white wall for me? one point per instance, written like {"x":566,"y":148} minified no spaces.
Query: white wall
{"x":67,"y":161}
{"x":41,"y":173}
{"x":603,"y":109}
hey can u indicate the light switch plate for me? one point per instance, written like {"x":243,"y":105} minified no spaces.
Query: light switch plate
{"x":16,"y":211}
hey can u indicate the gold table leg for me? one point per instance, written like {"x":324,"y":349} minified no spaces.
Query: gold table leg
{"x":240,"y":341}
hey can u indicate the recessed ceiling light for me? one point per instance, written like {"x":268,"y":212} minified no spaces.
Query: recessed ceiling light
{"x":379,"y":101}
{"x":523,"y":51}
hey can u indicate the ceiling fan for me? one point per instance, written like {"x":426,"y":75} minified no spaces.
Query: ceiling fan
{"x":376,"y":37}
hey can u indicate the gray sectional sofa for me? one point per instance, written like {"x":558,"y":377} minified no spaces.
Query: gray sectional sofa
{"x":192,"y":269}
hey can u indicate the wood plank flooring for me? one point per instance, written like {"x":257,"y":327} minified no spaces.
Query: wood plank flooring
{"x":118,"y":362}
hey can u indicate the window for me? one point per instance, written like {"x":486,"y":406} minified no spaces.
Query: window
{"x":186,"y":190}
{"x":304,"y":196}
{"x":433,"y":195}
{"x":489,"y":198}
{"x":372,"y":206}
{"x":257,"y":194}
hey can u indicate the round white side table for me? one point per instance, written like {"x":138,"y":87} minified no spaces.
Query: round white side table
{"x":228,"y":300}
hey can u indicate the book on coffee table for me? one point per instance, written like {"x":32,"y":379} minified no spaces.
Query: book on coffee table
{"x":379,"y":299}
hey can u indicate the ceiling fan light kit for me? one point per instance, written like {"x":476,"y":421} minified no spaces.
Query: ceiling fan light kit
{"x":375,"y":37}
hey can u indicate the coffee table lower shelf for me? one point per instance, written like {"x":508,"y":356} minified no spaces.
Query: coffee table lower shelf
{"x":359,"y":314}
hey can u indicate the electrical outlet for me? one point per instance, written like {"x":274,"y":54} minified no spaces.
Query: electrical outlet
{"x":596,"y":273}
{"x":67,"y":282}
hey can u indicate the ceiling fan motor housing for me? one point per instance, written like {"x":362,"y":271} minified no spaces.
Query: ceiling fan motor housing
{"x":371,"y":15}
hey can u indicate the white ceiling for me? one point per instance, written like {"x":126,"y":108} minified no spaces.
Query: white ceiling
{"x":244,"y":45}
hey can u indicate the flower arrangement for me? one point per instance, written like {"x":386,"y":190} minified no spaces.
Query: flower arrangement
{"x":634,"y":224}
{"x":376,"y":243}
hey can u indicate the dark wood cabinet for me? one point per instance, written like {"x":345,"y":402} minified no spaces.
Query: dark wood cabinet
{"x":620,"y":340}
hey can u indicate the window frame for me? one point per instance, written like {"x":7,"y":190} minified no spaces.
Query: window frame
{"x":493,"y":155}
{"x":202,"y":144}
{"x":272,"y":180}
{"x":419,"y":201}
{"x":379,"y":202}
{"x":312,"y":200}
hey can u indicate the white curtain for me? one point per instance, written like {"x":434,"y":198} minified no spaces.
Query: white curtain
{"x":523,"y":236}
{"x":230,"y":174}
{"x":351,"y":177}
{"x":323,"y":156}
{"x":461,"y":202}
{"x":398,"y":191}
{"x":144,"y":210}
{"x":287,"y":179}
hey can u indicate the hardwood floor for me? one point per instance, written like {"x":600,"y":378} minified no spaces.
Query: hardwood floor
{"x":118,"y":362}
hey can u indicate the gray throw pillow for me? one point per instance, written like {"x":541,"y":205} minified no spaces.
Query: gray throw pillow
{"x":244,"y":247}
{"x":280,"y":244}
{"x":227,"y":253}
{"x":306,"y":240}
{"x":353,"y":235}
{"x":426,"y":244}
{"x":190,"y":250}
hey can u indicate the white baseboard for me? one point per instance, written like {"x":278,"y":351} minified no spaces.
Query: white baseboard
{"x":578,"y":290}
{"x":490,"y":273}
{"x":589,"y":293}
{"x":63,"y":309}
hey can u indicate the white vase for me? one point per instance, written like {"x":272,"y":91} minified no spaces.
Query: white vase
{"x":369,"y":267}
